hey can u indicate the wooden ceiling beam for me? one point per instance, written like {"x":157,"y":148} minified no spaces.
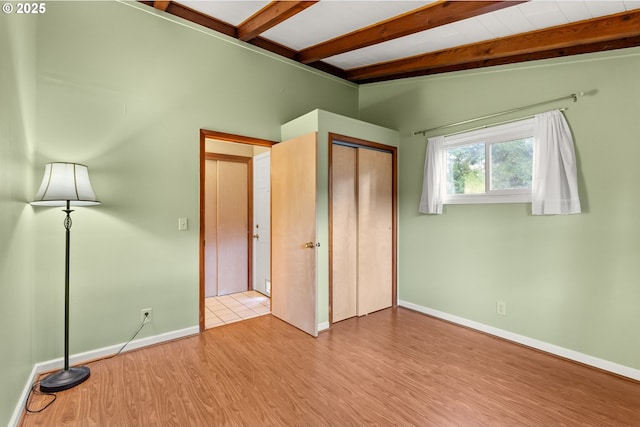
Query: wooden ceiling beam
{"x":426,"y":17}
{"x":269,"y":16}
{"x":161,"y":5}
{"x":535,"y":56}
{"x":200,"y":18}
{"x":273,"y":47}
{"x":592,"y":31}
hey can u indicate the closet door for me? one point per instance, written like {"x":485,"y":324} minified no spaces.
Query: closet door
{"x":344,"y":237}
{"x":375,"y":236}
{"x":226,"y":227}
{"x":233,"y":228}
{"x":211,"y":229}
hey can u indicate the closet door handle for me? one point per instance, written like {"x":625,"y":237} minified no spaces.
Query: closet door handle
{"x":311,"y":245}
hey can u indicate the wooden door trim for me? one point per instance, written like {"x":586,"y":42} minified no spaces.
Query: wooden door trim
{"x":361,"y":143}
{"x":227,"y":157}
{"x":230,"y":137}
{"x":225,"y":137}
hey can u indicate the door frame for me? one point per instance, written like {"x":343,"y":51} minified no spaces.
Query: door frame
{"x":225,"y":137}
{"x":361,"y":143}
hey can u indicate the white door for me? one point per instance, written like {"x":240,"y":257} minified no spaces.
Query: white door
{"x":294,"y":297}
{"x":261,"y":224}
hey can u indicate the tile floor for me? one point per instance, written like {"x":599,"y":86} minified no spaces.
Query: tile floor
{"x":235,"y":307}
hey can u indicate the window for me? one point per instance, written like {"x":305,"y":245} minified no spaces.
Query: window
{"x":491,"y":165}
{"x":529,"y":160}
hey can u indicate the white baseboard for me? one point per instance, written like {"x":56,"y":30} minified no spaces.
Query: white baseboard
{"x":323,"y":326}
{"x":75,"y":359}
{"x":586,"y":359}
{"x":17,"y":413}
{"x":79,"y":358}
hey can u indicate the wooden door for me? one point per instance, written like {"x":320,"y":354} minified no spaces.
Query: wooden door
{"x":344,"y":236}
{"x":211,"y":228}
{"x":293,"y":232}
{"x":233,"y":228}
{"x":226,"y":250}
{"x":375,"y":235}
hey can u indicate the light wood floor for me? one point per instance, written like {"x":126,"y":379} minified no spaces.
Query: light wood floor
{"x":394,"y":367}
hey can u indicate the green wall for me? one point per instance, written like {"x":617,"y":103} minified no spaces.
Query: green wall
{"x":125,"y":90}
{"x":572,"y":281}
{"x":17,"y":115}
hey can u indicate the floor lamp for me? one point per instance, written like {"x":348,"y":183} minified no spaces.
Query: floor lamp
{"x":65,"y":184}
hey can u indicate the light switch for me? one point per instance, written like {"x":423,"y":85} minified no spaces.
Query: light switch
{"x":183,"y":224}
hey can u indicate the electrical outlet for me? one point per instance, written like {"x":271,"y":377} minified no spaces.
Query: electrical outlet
{"x":146,"y":315}
{"x":501,"y":308}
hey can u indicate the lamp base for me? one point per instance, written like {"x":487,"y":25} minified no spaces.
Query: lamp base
{"x":64,"y":379}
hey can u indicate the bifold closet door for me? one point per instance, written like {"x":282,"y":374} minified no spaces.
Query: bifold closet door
{"x":233,"y":228}
{"x":344,"y":232}
{"x":211,"y":229}
{"x":362,"y":236}
{"x":226,"y":227}
{"x":375,"y":236}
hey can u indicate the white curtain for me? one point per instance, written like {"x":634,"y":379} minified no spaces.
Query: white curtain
{"x":554,"y":187}
{"x":435,"y":171}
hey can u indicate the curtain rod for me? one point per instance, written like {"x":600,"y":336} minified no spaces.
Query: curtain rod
{"x":504,"y":122}
{"x":573,"y":96}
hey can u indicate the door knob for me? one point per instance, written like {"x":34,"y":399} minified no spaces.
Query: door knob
{"x":311,"y":245}
{"x":256,"y":236}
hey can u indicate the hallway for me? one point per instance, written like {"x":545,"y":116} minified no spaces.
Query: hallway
{"x":235,"y":307}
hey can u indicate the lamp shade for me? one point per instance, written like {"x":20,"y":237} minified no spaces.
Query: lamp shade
{"x":64,"y":182}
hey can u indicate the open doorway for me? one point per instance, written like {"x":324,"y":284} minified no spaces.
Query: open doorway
{"x":234,"y":228}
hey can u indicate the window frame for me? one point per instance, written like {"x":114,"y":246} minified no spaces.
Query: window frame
{"x":520,"y":129}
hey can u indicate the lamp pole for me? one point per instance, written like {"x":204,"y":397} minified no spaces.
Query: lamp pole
{"x":68,"y":377}
{"x":67,"y":226}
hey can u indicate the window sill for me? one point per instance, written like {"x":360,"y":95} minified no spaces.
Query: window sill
{"x":470,"y":199}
